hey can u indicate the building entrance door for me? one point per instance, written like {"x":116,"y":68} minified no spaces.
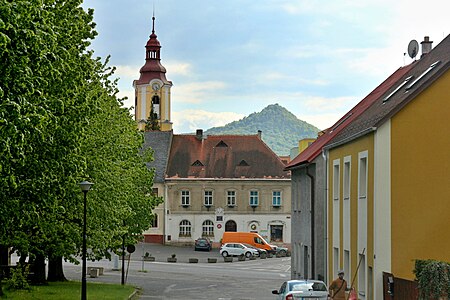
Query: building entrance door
{"x":276,"y":233}
{"x":231,"y":226}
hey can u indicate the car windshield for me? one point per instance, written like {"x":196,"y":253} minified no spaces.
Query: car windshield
{"x":307,"y":286}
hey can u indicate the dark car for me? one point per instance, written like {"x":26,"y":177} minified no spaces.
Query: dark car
{"x":203,"y":244}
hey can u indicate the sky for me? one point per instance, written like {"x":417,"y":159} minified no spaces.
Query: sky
{"x":228,"y":59}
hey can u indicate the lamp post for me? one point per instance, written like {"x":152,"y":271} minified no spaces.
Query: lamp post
{"x":85,"y":186}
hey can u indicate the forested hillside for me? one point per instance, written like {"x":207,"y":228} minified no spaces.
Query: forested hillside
{"x":281,"y":130}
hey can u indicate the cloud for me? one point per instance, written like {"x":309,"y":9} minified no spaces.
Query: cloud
{"x":321,"y":121}
{"x":189,"y":120}
{"x":321,"y":104}
{"x":127,"y":93}
{"x":197,"y":92}
{"x":174,"y":67}
{"x":127,"y":71}
{"x":178,"y":68}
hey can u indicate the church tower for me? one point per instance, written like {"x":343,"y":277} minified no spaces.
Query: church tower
{"x":152,"y":89}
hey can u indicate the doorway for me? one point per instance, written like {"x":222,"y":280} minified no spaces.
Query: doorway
{"x":276,"y":233}
{"x":231,"y":226}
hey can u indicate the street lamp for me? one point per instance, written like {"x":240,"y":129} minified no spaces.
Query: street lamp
{"x":85,"y":186}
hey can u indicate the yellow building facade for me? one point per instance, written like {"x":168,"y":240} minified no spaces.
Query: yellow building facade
{"x":350,"y":218}
{"x":420,"y":189}
{"x":389,"y":181}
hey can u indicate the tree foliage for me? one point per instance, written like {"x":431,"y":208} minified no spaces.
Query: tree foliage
{"x":61,"y":123}
{"x":433,"y":278}
{"x":152,"y":121}
{"x":281,"y":130}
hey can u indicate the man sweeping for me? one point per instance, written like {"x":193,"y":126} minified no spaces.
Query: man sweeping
{"x":338,"y":287}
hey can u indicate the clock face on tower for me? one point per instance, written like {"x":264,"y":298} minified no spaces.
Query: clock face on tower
{"x":155,"y":86}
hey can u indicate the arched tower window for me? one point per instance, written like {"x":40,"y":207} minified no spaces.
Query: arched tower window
{"x":155,"y":105}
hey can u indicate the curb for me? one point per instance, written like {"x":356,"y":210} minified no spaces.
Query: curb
{"x":135,"y":294}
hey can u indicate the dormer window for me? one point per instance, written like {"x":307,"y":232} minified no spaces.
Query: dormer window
{"x":197,"y":163}
{"x":243,"y":163}
{"x":221,"y":144}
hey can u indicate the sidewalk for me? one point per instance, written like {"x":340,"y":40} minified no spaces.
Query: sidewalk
{"x":162,"y":252}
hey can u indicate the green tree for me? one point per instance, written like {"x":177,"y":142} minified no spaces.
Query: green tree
{"x":152,"y":121}
{"x":123,"y":183}
{"x":433,"y":279}
{"x":60,"y":123}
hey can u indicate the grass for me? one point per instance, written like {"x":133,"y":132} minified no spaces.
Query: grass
{"x":72,"y":290}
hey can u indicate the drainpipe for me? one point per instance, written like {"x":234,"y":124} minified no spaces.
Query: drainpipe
{"x":325,"y":159}
{"x":166,"y":216}
{"x":313,"y":256}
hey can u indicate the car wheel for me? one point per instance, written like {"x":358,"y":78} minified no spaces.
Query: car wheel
{"x":224,"y":253}
{"x":248,"y":254}
{"x":283,"y":252}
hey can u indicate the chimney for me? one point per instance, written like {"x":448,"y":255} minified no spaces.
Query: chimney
{"x":199,"y":134}
{"x":426,"y":45}
{"x":259,"y":134}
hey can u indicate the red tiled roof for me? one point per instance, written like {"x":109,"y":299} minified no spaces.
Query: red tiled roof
{"x":310,"y":153}
{"x":223,"y":156}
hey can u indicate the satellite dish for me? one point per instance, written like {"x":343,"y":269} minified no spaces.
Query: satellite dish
{"x":413,"y":48}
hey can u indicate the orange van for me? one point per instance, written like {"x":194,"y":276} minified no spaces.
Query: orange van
{"x":251,"y":238}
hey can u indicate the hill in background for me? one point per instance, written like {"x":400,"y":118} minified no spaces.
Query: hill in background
{"x":281,"y":130}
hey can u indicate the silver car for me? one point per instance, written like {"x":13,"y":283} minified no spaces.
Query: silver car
{"x":302,"y":289}
{"x":231,"y":249}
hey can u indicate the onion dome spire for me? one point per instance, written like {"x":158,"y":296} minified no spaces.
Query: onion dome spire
{"x":152,"y":68}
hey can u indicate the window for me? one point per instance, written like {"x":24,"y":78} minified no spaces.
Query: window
{"x":185,"y":228}
{"x":276,"y":198}
{"x":154,"y":221}
{"x":208,"y":198}
{"x":362,"y":190}
{"x":185,"y":198}
{"x":432,"y":66}
{"x":231,"y":198}
{"x":155,"y":192}
{"x":362,"y":276}
{"x":254,"y":198}
{"x":335,"y":260}
{"x":347,"y":264}
{"x":208,"y":228}
{"x":336,"y":179}
{"x":397,"y":89}
{"x":346,"y":182}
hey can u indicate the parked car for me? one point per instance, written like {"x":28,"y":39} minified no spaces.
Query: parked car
{"x":260,"y":251}
{"x":302,"y":289}
{"x":230,"y":249}
{"x":282,"y":250}
{"x":202,"y":244}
